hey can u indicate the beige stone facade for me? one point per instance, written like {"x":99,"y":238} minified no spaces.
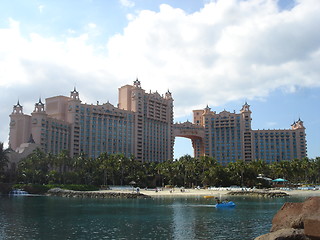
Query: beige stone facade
{"x":227,"y":136}
{"x":153,"y":118}
{"x":140,"y":126}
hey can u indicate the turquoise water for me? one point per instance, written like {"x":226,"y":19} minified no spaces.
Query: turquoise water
{"x":160,"y":218}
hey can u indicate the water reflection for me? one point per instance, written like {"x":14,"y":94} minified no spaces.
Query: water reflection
{"x":183,"y":221}
{"x":161,"y":218}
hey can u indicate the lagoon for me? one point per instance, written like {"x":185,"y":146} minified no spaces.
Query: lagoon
{"x":42,"y":217}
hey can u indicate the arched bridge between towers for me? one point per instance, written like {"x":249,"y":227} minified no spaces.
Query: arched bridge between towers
{"x":194,"y":132}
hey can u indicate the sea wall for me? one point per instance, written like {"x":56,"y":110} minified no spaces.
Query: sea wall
{"x":92,"y":194}
{"x":258,"y":193}
{"x":296,"y":221}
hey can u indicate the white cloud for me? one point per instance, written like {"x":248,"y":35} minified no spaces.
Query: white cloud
{"x":40,"y":8}
{"x":127,"y":3}
{"x":226,"y":51}
{"x":92,"y":25}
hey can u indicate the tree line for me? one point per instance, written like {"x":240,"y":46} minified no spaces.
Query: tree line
{"x":117,"y":169}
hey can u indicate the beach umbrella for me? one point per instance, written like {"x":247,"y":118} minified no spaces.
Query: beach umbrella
{"x":279,"y":180}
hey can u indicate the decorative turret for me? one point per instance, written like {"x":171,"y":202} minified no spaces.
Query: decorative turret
{"x":17,"y":109}
{"x":39,"y":106}
{"x":298,"y":124}
{"x":137,"y":83}
{"x":168,"y":95}
{"x":74,"y":94}
{"x":245,"y":108}
{"x":246,"y":116}
{"x":207,"y":110}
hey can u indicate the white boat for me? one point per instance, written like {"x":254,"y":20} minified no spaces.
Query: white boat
{"x":18,"y":192}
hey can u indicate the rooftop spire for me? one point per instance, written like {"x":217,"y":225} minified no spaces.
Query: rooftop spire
{"x":17,"y":108}
{"x":245,"y":108}
{"x":74,"y":94}
{"x":137,"y":83}
{"x":74,"y":89}
{"x":39,"y":106}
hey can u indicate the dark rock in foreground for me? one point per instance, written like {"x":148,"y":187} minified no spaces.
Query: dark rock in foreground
{"x":93,"y":194}
{"x":296,"y":221}
{"x":259,"y":193}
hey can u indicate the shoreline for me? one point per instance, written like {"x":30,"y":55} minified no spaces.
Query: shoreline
{"x":176,"y":192}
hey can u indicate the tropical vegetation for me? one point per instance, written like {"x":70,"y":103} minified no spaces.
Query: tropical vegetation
{"x":4,"y":160}
{"x":116,"y":169}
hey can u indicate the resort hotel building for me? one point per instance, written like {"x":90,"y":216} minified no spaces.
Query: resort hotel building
{"x":142,"y":126}
{"x":228,"y":137}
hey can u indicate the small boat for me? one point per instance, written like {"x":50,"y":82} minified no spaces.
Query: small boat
{"x":18,"y":192}
{"x":229,"y":204}
{"x":208,"y":196}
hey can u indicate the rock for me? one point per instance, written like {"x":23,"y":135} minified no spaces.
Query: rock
{"x":288,"y":216}
{"x":296,"y":221}
{"x":283,"y":234}
{"x":93,"y":194}
{"x":312,"y":228}
{"x":293,"y":215}
{"x":259,"y":193}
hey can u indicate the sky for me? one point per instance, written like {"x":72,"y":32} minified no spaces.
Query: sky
{"x":219,"y":53}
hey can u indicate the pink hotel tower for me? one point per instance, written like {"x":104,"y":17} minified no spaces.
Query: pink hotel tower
{"x":142,"y":126}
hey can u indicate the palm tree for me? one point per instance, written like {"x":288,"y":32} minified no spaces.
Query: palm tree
{"x":315,"y":170}
{"x":237,"y":170}
{"x":191,"y":170}
{"x":260,"y":167}
{"x":35,"y":167}
{"x":280,"y":169}
{"x":168,"y":171}
{"x":305,"y":168}
{"x":78,"y":165}
{"x":207,"y":172}
{"x":4,"y":159}
{"x":121,"y":166}
{"x":218,"y":176}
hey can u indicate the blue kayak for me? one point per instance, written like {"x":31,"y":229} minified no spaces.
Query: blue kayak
{"x":225,"y":205}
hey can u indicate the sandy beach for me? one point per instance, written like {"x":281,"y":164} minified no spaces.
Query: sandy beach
{"x":176,"y":192}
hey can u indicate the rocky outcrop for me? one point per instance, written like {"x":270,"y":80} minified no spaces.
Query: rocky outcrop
{"x":285,"y":234}
{"x":93,"y":194}
{"x":259,"y":193}
{"x":296,"y":221}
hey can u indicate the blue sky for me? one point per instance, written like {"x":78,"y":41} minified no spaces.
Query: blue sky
{"x":221,"y":53}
